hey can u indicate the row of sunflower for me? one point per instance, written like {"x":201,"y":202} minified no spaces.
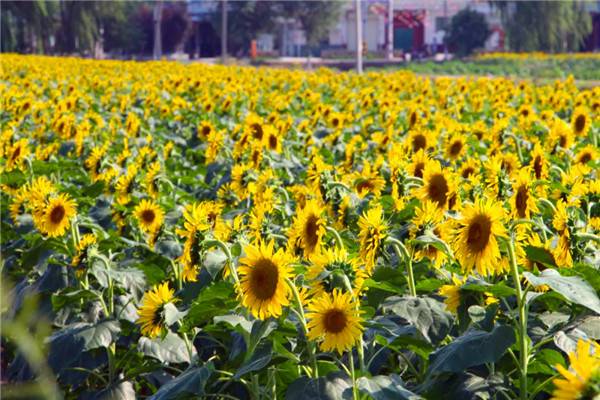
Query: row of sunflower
{"x":228,"y":232}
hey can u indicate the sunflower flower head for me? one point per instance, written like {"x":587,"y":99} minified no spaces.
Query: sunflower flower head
{"x":151,"y":312}
{"x":475,"y":241}
{"x":335,"y":320}
{"x":582,"y":379}
{"x":372,"y":236}
{"x":262,"y":286}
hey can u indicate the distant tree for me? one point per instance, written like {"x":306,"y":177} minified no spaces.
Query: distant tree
{"x":553,"y":26}
{"x":316,"y":17}
{"x":468,"y":31}
{"x":27,"y":25}
{"x":246,"y":19}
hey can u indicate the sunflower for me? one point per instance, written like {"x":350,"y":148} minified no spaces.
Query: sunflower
{"x":562,"y":253}
{"x":243,"y":180}
{"x":587,"y":154}
{"x":475,"y":243}
{"x":196,"y":223}
{"x":452,"y":294}
{"x":418,"y":162}
{"x":438,"y":184}
{"x":561,"y":134}
{"x":149,"y":216}
{"x":469,"y":168}
{"x":523,"y":201}
{"x":427,"y":221}
{"x":308,"y":227}
{"x":455,"y":146}
{"x":151,"y":313}
{"x":580,"y":121}
{"x":85,"y":243}
{"x":582,"y":380}
{"x":329,"y":268}
{"x":539,"y":165}
{"x":57,"y":212}
{"x":372,"y":236}
{"x":262,"y":279}
{"x":420,"y":139}
{"x":368,"y":181}
{"x":335,"y":320}
{"x":16,"y":154}
{"x":205,"y":130}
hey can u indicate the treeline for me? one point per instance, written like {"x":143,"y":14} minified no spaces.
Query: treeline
{"x":65,"y":27}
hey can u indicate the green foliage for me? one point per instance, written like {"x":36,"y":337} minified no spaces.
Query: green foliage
{"x":550,"y":26}
{"x":468,"y":31}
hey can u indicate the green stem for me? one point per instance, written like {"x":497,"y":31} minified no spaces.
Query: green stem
{"x":547,"y":203}
{"x":309,"y":343}
{"x":522,"y":325}
{"x":337,"y":236}
{"x":210,"y":243}
{"x":403,"y":253}
{"x":284,"y":192}
{"x":588,"y":236}
{"x":355,"y":393}
{"x":332,"y":185}
{"x":112,"y":349}
{"x":189,"y":347}
{"x":414,"y":179}
{"x":517,"y":145}
{"x":178,"y":275}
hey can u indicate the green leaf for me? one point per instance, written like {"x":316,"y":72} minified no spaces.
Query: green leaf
{"x":121,"y":391}
{"x":131,"y":279}
{"x":170,"y":350}
{"x":429,"y":316}
{"x":85,"y":336}
{"x":215,"y":300}
{"x":498,"y":290}
{"x":334,"y":386}
{"x":172,"y":314}
{"x":71,"y":296}
{"x":573,"y":288}
{"x":191,"y":381}
{"x":214,"y":262}
{"x":544,"y":362}
{"x":471,"y":349}
{"x":540,"y":255}
{"x":260,"y":359}
{"x":383,"y":387}
{"x":407,"y":342}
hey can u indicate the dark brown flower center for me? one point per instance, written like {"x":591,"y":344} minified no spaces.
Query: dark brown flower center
{"x":580,"y":123}
{"x":264,"y":278}
{"x":521,"y":201}
{"x":438,"y":189}
{"x":205,"y":131}
{"x":585,"y":158}
{"x":272,"y":142}
{"x":310,"y":230}
{"x":257,"y":130}
{"x":419,"y":142}
{"x":467,"y":172}
{"x":148,"y":216}
{"x":537,"y":167}
{"x":335,"y":321}
{"x":419,"y":170}
{"x":367,"y":185}
{"x":479,"y":231}
{"x":456,"y":148}
{"x":57,"y":214}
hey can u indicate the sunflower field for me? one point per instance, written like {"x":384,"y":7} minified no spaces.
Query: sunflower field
{"x":180,"y":231}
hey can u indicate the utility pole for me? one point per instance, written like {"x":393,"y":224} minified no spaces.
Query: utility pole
{"x":359,"y":61}
{"x":446,"y":26}
{"x":390,"y":30}
{"x":158,"y":7}
{"x":224,"y":33}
